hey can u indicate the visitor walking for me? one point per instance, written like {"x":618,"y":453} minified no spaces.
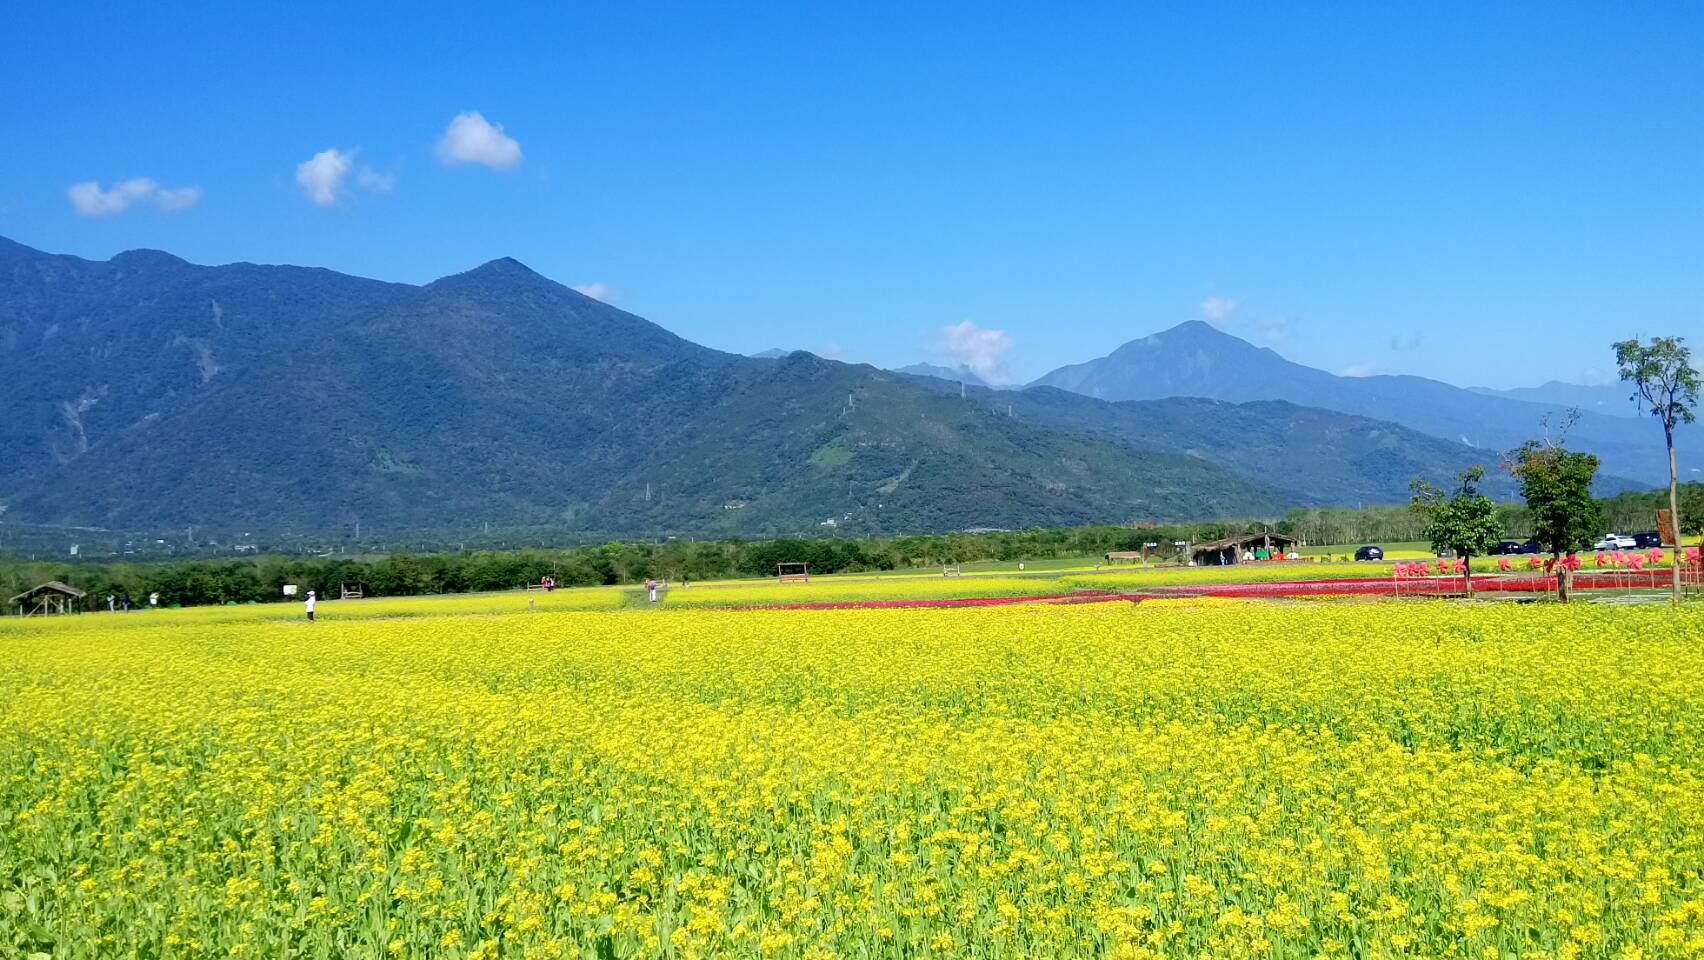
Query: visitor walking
{"x":309,"y":604}
{"x":651,"y":588}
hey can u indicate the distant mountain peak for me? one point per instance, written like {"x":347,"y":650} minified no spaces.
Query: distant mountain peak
{"x":1197,"y":359}
{"x":1199,"y":334}
{"x":503,"y":267}
{"x":500,"y":270}
{"x":145,"y":257}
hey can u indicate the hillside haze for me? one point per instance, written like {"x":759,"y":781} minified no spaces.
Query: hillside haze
{"x":956,"y":374}
{"x":1196,"y":359}
{"x":149,"y":393}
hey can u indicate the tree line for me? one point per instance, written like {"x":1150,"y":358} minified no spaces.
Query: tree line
{"x":262,"y":578}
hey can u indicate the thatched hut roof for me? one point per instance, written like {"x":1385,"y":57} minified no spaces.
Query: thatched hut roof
{"x":51,"y":586}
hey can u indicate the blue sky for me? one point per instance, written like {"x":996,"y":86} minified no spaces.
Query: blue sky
{"x":1484,"y":193}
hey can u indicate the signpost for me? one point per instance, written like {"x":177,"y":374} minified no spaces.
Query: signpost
{"x":1665,"y":529}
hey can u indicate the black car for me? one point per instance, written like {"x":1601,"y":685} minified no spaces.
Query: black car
{"x":1647,"y":540}
{"x":1370,"y":553}
{"x":1507,"y":547}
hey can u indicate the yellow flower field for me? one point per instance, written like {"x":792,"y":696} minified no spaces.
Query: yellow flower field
{"x":837,"y":589}
{"x":1200,"y":780}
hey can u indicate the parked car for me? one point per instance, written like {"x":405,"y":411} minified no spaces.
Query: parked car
{"x":1647,"y":540}
{"x":1531,"y":546}
{"x":1370,"y":552}
{"x":1506,"y":547}
{"x":1616,"y":541}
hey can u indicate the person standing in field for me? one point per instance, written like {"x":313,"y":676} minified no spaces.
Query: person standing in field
{"x":309,"y":604}
{"x":651,"y":588}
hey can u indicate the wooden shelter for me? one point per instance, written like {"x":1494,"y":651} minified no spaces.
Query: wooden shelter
{"x":1231,"y":549}
{"x":48,"y":599}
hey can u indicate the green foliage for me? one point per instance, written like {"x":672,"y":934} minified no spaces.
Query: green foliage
{"x":1662,"y":377}
{"x":1465,"y":523}
{"x":1636,"y":510}
{"x":1557,"y":485}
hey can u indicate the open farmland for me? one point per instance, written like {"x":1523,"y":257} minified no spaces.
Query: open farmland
{"x":1172,"y":779}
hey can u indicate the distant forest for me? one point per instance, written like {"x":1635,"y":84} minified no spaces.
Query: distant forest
{"x":261,"y":579}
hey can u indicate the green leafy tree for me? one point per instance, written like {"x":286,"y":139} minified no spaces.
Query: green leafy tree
{"x":1463,"y":524}
{"x":1557,"y":485}
{"x":1663,"y":380}
{"x":1692,"y":509}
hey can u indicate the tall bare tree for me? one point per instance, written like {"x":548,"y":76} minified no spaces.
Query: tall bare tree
{"x":1663,"y":380}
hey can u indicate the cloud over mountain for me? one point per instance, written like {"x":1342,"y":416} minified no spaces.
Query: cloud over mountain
{"x":471,"y":138}
{"x":324,"y":176}
{"x":1216,"y":310}
{"x":321,"y":176}
{"x":596,"y":290}
{"x":981,"y":350}
{"x":91,"y":201}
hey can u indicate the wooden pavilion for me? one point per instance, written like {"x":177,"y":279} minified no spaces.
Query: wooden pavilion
{"x":48,"y":599}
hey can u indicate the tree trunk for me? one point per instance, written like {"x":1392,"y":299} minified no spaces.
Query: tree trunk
{"x":1564,"y":582}
{"x":1467,"y":579}
{"x":1674,"y":509}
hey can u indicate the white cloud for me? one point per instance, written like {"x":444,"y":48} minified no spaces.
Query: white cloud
{"x":982,"y":350}
{"x":1366,"y":369}
{"x":91,"y":201}
{"x":597,"y":291}
{"x":1215,"y":310}
{"x":376,"y":180}
{"x":173,"y":199}
{"x":321,"y":176}
{"x":473,"y":139}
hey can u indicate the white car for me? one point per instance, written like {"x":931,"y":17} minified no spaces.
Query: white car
{"x":1616,"y":541}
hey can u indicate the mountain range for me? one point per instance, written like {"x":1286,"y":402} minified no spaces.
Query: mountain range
{"x":1611,"y":400}
{"x":145,"y":392}
{"x":1196,"y":359}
